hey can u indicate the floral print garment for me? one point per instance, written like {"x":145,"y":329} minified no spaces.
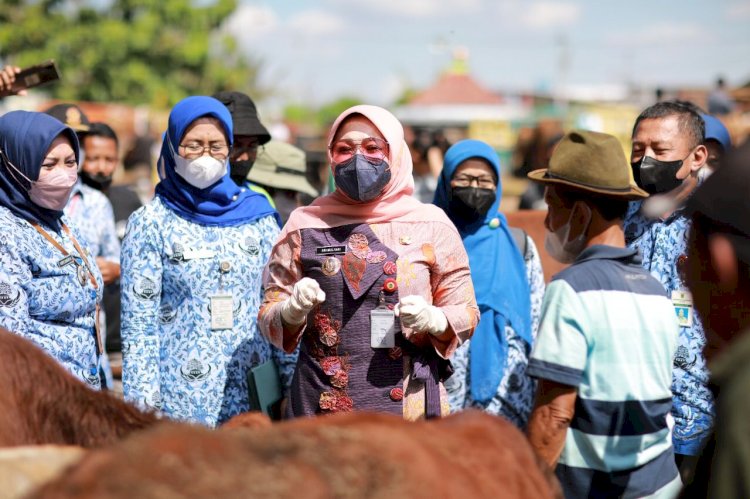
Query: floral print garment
{"x":515,"y":394}
{"x":431,"y":262}
{"x":172,"y":359}
{"x":42,"y":299}
{"x":91,"y":212}
{"x":663,"y":246}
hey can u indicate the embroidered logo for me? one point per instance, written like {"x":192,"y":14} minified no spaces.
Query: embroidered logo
{"x":167,"y":314}
{"x":145,"y":289}
{"x":178,"y":253}
{"x":195,"y":371}
{"x":9,"y":295}
{"x":250,"y":246}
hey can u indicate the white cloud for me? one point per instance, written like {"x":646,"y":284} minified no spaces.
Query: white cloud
{"x":316,"y":23}
{"x":414,"y":8}
{"x":661,"y":34}
{"x":250,"y":22}
{"x":735,"y":11}
{"x":550,"y":14}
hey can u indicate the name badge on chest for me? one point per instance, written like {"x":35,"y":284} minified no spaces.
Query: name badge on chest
{"x":382,"y":328}
{"x":683,"y":307}
{"x":222,"y":311}
{"x":193,"y":254}
{"x":330,"y":250}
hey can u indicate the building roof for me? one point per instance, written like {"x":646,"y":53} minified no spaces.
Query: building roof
{"x":455,"y":88}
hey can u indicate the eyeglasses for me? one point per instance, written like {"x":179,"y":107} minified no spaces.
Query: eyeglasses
{"x":483,"y":181}
{"x":195,"y":149}
{"x":372,"y":148}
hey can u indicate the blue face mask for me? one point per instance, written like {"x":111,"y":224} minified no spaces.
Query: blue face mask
{"x":361,"y":179}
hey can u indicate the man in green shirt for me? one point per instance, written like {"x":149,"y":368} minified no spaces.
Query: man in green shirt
{"x":718,"y":275}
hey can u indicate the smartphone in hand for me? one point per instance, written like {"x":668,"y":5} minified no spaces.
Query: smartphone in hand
{"x":33,"y":76}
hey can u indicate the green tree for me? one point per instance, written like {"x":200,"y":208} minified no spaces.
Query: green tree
{"x":132,"y":51}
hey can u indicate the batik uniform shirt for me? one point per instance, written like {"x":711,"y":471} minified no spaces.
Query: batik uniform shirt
{"x":42,"y":299}
{"x":173,"y":360}
{"x":430,"y":262}
{"x":515,"y":394}
{"x":91,"y":212}
{"x":663,"y":246}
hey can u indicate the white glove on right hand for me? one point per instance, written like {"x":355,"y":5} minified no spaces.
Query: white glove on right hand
{"x":305,"y":295}
{"x":420,"y":316}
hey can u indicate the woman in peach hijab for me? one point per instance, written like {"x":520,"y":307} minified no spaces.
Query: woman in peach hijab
{"x":374,"y":284}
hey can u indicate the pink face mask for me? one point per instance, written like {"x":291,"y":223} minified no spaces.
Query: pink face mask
{"x":53,"y":190}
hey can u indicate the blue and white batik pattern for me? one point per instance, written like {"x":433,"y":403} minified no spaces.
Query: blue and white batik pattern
{"x":515,"y":395}
{"x":662,"y":243}
{"x":45,"y":302}
{"x":91,"y":212}
{"x":172,"y":359}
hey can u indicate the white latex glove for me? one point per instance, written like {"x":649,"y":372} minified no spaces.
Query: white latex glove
{"x":420,"y":316}
{"x":305,"y":295}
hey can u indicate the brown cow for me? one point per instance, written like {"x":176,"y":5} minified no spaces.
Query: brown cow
{"x":41,"y":403}
{"x":471,"y":454}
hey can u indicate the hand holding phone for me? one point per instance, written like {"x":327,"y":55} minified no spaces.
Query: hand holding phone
{"x":7,"y":79}
{"x":15,"y":81}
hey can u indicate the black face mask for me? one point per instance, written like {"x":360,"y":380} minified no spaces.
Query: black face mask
{"x":361,"y":179}
{"x":96,"y":181}
{"x":471,"y":203}
{"x":656,"y":177}
{"x":238,"y":170}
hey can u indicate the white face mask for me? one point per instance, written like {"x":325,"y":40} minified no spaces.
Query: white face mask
{"x":557,"y":244}
{"x":200,"y":172}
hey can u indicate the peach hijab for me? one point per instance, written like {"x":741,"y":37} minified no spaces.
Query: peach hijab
{"x":395,"y":203}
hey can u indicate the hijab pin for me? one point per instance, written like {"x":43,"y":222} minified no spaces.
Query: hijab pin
{"x":494,"y":223}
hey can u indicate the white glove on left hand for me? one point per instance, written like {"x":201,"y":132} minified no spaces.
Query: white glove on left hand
{"x":420,"y":316}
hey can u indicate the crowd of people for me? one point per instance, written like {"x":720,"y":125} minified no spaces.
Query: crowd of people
{"x":368,"y":299}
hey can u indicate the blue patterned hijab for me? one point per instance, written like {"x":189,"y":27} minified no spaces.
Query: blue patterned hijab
{"x":497,"y":270}
{"x":25,"y":138}
{"x":221,"y":204}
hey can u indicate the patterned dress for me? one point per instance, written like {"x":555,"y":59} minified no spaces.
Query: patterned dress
{"x":515,"y":394}
{"x":42,"y":299}
{"x":360,"y":267}
{"x":91,"y":212}
{"x":172,"y":358}
{"x":663,"y":246}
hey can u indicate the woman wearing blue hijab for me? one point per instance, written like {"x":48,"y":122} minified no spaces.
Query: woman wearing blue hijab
{"x":50,"y":286}
{"x":191,"y":277}
{"x":490,"y":369}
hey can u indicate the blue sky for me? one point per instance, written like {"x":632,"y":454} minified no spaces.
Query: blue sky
{"x":316,"y":50}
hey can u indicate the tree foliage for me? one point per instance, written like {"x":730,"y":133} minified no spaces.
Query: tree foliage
{"x":132,"y":51}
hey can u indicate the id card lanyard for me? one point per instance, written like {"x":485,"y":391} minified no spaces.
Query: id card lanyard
{"x":222,"y":303}
{"x":382,"y":325}
{"x":81,"y":273}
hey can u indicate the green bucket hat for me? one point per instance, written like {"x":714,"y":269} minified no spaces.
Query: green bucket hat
{"x":281,"y":166}
{"x":593,"y":162}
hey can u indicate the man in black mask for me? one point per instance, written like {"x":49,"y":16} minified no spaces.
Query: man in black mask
{"x":667,"y":158}
{"x":249,"y":136}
